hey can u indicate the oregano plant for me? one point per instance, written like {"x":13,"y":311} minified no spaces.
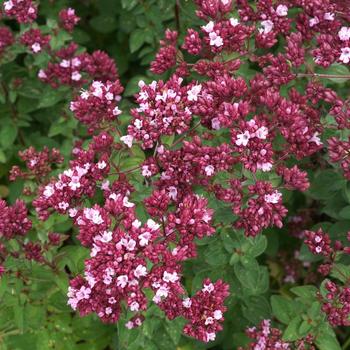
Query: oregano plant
{"x":201,"y":204}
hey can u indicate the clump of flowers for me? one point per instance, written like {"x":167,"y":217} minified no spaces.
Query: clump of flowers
{"x":98,"y":105}
{"x":25,"y":11}
{"x":35,"y":40}
{"x":38,"y":163}
{"x":6,"y":39}
{"x":68,"y":19}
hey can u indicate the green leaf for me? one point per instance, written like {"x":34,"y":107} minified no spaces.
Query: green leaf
{"x":341,"y":272}
{"x":284,"y":309}
{"x":137,"y":39}
{"x":345,"y":212}
{"x":258,"y":245}
{"x":336,"y":69}
{"x":50,"y":98}
{"x":8,"y":135}
{"x":292,"y":331}
{"x":256,"y":309}
{"x":306,"y":292}
{"x":253,"y":277}
{"x":104,"y":24}
{"x":326,"y":339}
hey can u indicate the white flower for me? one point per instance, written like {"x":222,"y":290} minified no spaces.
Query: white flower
{"x":105,"y":185}
{"x":116,"y":111}
{"x":31,"y":10}
{"x":101,"y":165}
{"x":145,"y":171}
{"x":210,"y":336}
{"x":316,"y":139}
{"x":209,"y":170}
{"x":109,"y":96}
{"x":140,"y":271}
{"x":313,"y":21}
{"x":209,"y":27}
{"x":83,"y":293}
{"x":170,"y":277}
{"x":262,"y":132}
{"x":215,"y":40}
{"x":267,"y":27}
{"x":42,"y":74}
{"x":65,"y":64}
{"x":122,"y":281}
{"x":76,"y":76}
{"x":63,"y":205}
{"x":36,"y":47}
{"x":126,"y":203}
{"x":73,"y":212}
{"x":108,"y":310}
{"x":127,"y":140}
{"x":234,"y":22}
{"x":194,"y":92}
{"x":243,"y":139}
{"x":106,"y":236}
{"x":136,"y":223}
{"x":344,"y":33}
{"x":218,"y":314}
{"x":49,"y":191}
{"x":215,"y":123}
{"x":264,"y":166}
{"x":187,"y":303}
{"x":84,"y":94}
{"x":282,"y":10}
{"x":172,"y":192}
{"x":8,"y":5}
{"x":329,"y":16}
{"x":76,"y":62}
{"x":134,"y":306}
{"x":208,"y":288}
{"x":345,"y":55}
{"x":144,"y":238}
{"x":93,"y":215}
{"x":209,"y":320}
{"x":162,"y":292}
{"x":138,"y":124}
{"x":129,"y":325}
{"x":152,"y":225}
{"x":273,"y":198}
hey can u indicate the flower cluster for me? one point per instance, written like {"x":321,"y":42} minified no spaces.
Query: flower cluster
{"x":339,"y":152}
{"x":35,"y":40}
{"x":131,"y":257}
{"x":336,"y":304}
{"x":166,"y":57}
{"x":264,"y":209}
{"x":266,"y":337}
{"x":98,"y":104}
{"x":14,"y":219}
{"x":72,"y":185}
{"x":76,"y":69}
{"x":164,"y":109}
{"x":25,"y":11}
{"x":318,"y":242}
{"x":6,"y":38}
{"x":68,"y":19}
{"x":38,"y":163}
